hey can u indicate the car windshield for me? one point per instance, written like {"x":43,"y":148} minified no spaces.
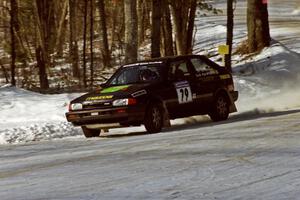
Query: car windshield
{"x":136,"y":74}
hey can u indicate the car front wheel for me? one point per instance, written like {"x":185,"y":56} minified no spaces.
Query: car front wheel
{"x":90,"y":132}
{"x":153,"y":119}
{"x":220,"y":109}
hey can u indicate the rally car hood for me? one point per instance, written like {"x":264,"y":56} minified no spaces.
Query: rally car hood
{"x":112,"y":93}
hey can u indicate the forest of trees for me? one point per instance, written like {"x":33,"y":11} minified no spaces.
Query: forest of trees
{"x":92,"y":35}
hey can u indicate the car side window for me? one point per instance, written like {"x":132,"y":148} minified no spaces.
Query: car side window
{"x":179,"y":71}
{"x":149,"y":74}
{"x":203,"y":69}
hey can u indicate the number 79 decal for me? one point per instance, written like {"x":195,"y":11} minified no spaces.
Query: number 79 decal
{"x":184,"y":92}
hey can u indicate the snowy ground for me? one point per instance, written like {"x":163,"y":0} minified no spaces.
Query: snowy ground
{"x":253,"y":155}
{"x":247,"y":157}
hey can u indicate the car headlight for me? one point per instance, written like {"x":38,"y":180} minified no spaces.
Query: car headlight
{"x":124,"y":102}
{"x":76,"y":106}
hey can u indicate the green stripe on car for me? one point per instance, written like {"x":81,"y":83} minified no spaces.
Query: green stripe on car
{"x":114,"y":89}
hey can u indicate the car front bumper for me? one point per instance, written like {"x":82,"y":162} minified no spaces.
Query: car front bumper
{"x":121,"y":115}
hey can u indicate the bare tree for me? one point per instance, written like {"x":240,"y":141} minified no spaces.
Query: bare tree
{"x":230,"y":24}
{"x":141,"y":16}
{"x":73,"y":8}
{"x":44,"y":18}
{"x":258,"y":25}
{"x":155,"y":28}
{"x":167,"y":30}
{"x":13,"y":21}
{"x":190,"y":27}
{"x":117,"y":8}
{"x":106,"y":58}
{"x":131,"y":39}
{"x":183,"y":14}
{"x":59,"y":40}
{"x":85,"y":15}
{"x":92,"y":41}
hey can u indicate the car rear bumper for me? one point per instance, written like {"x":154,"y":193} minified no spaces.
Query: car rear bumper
{"x":234,"y":95}
{"x":121,"y":115}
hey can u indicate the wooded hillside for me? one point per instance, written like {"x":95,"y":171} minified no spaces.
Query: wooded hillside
{"x":76,"y":43}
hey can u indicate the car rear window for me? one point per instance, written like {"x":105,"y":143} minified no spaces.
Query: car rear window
{"x":202,"y":68}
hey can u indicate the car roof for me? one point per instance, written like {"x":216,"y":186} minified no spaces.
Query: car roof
{"x":162,"y":60}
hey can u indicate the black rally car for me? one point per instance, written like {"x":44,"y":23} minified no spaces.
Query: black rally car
{"x":154,"y":91}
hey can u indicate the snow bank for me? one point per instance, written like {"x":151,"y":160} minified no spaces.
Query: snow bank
{"x":38,"y":132}
{"x":275,"y":60}
{"x":28,"y":116}
{"x":270,"y":80}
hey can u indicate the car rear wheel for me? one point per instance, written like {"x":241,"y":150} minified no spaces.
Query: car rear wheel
{"x":90,"y":132}
{"x":154,"y":119}
{"x":220,"y":109}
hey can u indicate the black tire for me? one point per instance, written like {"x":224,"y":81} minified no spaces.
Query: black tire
{"x":220,"y":109}
{"x":154,"y":119}
{"x":90,"y":132}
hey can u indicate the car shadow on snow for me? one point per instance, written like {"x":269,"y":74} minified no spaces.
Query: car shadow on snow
{"x":239,"y":117}
{"x":205,"y":122}
{"x":130,"y":134}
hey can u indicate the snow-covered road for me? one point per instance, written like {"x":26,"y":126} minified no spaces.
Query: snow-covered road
{"x":248,"y":157}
